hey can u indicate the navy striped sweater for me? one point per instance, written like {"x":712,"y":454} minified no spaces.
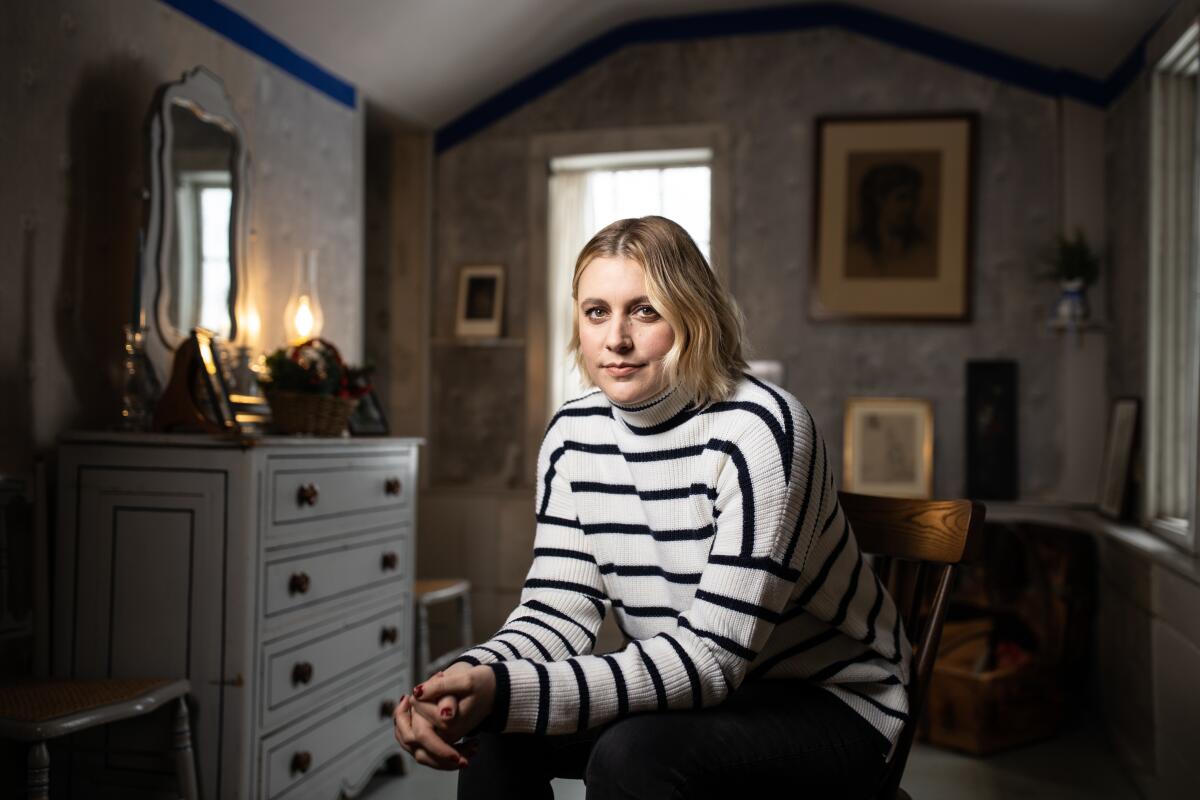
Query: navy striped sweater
{"x":717,"y":539}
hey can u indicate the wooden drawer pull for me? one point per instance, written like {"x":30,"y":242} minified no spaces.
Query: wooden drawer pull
{"x":301,"y":762}
{"x":302,"y":673}
{"x":298,"y":583}
{"x":390,"y":561}
{"x":392,"y":486}
{"x":387,"y":708}
{"x":389,"y":635}
{"x":307,"y":494}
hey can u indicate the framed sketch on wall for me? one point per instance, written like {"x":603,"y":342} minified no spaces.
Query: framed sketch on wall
{"x":893,"y":217}
{"x":1118,"y":457}
{"x":888,"y":446}
{"x":480,"y":301}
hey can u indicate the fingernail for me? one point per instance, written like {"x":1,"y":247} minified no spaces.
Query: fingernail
{"x":417,"y":690}
{"x":446,"y":713}
{"x":462,"y":762}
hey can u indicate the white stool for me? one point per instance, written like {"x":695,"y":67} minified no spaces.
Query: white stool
{"x":440,"y":590}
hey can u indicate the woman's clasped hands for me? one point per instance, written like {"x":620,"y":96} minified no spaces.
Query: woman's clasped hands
{"x":432,"y":720}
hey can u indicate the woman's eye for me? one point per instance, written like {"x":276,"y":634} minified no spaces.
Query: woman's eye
{"x":646,"y":312}
{"x":595,"y":312}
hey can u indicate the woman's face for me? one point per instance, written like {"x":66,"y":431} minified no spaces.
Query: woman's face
{"x":622,"y":337}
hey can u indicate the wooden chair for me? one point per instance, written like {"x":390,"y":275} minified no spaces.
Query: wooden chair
{"x":36,"y":711}
{"x":916,"y":544}
{"x":431,"y":592}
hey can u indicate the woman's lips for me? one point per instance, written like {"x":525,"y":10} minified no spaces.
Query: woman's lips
{"x":620,"y":371}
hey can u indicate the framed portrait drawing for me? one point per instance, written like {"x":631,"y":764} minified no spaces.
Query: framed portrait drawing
{"x":888,"y":446}
{"x":480,"y":301}
{"x":893,"y":217}
{"x":1113,"y":493}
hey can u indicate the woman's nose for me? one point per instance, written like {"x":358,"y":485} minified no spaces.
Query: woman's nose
{"x":617,"y":337}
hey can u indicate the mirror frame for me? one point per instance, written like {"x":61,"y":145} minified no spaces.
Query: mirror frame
{"x":204,"y":93}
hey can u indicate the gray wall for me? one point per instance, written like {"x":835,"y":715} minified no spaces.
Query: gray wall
{"x":79,"y":78}
{"x":768,"y":89}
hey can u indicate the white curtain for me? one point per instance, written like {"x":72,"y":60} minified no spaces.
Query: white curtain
{"x":572,"y":223}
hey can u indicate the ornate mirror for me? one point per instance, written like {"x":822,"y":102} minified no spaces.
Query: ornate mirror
{"x":193,"y":258}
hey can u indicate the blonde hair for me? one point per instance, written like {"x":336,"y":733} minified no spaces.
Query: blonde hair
{"x":706,"y":360}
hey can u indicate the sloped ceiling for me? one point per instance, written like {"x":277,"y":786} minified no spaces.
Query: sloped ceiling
{"x":429,"y":61}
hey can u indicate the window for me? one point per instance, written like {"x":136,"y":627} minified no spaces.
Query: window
{"x":204,"y":200}
{"x":586,"y":193}
{"x":1172,"y":437}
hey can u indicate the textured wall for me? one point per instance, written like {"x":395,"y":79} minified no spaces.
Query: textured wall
{"x":79,"y":78}
{"x":768,"y":89}
{"x":1127,"y":151}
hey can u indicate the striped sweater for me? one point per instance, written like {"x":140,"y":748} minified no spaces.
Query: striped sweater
{"x":717,"y":539}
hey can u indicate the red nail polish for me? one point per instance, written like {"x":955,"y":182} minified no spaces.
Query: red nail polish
{"x":446,"y":713}
{"x":417,"y":690}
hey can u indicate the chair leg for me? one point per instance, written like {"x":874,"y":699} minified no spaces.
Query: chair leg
{"x":424,"y":655}
{"x":181,"y":746}
{"x":39,"y":772}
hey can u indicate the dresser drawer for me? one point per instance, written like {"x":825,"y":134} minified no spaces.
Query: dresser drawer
{"x":345,"y":568}
{"x":302,"y":669}
{"x":304,"y":489}
{"x":303,"y":752}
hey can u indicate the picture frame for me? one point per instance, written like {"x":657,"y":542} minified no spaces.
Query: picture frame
{"x":888,"y":446}
{"x":893,"y":237}
{"x":1113,"y":494}
{"x":212,"y":395}
{"x":480,"y":301}
{"x":368,"y":418}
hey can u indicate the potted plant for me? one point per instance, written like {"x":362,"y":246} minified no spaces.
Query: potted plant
{"x":1075,"y":266}
{"x":311,"y":389}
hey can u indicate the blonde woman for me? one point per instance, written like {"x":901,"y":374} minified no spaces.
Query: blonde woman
{"x":697,"y":504}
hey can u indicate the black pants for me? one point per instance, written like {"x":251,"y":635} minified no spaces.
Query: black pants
{"x":785,"y":736}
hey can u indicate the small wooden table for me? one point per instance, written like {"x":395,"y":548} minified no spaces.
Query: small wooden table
{"x":36,"y":711}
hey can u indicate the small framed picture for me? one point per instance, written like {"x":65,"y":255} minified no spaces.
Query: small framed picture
{"x":368,"y":418}
{"x":1118,"y":457}
{"x":480,"y":301}
{"x":213,"y":380}
{"x":893,"y":217}
{"x":888,"y":447}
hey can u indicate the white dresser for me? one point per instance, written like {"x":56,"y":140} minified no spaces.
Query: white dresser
{"x":277,"y":577}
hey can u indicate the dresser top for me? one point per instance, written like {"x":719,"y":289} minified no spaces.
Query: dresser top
{"x":226,"y":441}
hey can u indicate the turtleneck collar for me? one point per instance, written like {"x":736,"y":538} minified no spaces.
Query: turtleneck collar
{"x":659,"y":413}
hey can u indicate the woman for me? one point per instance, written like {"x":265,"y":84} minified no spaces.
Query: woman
{"x":697,"y":503}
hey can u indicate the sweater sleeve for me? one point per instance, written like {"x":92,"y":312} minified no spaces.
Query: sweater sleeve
{"x":562,"y":601}
{"x":770,"y":501}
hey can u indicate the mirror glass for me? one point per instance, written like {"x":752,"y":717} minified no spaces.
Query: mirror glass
{"x":199,"y":270}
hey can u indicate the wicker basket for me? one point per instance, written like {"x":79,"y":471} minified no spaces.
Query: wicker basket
{"x":314,"y":414}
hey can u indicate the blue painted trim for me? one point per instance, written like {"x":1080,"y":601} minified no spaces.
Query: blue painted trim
{"x":238,"y":29}
{"x":892,"y":30}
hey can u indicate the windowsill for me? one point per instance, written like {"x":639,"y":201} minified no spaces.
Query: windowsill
{"x":1141,"y":541}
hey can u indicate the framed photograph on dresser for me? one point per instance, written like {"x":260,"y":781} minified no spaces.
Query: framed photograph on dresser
{"x":888,"y":446}
{"x":893,"y":217}
{"x":1113,"y":499}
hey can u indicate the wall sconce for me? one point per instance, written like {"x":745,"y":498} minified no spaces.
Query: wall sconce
{"x":303,"y":318}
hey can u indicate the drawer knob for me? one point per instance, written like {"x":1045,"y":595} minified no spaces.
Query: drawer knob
{"x":298,"y":583}
{"x":301,"y":761}
{"x":307,"y":494}
{"x":392,"y":486}
{"x":389,"y":634}
{"x":302,"y":673}
{"x":390,"y":560}
{"x":387,"y":708}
